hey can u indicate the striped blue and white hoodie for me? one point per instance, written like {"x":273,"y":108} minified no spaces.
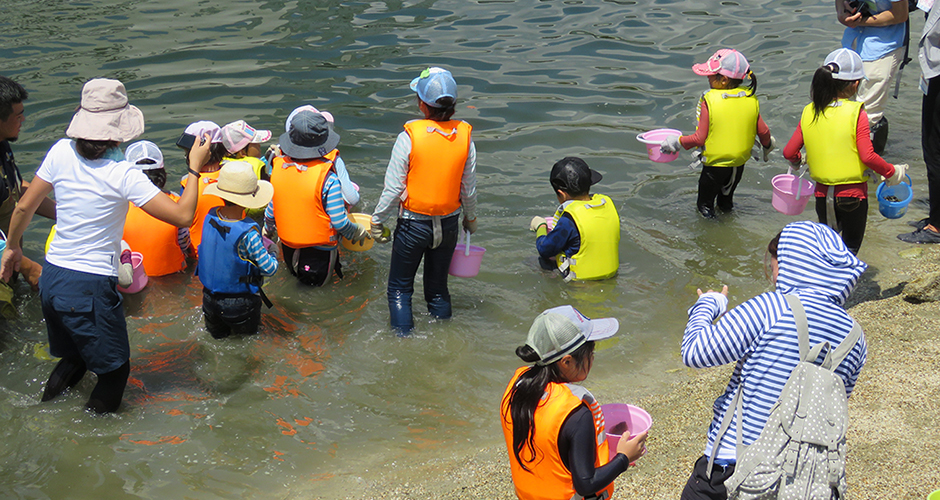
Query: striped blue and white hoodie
{"x":760,"y":334}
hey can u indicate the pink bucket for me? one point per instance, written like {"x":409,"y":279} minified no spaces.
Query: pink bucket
{"x":140,"y":276}
{"x":467,"y":259}
{"x":791,"y":193}
{"x":654,"y":139}
{"x":621,"y":418}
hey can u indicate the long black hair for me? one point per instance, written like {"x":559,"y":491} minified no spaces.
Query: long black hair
{"x":93,"y":150}
{"x":524,"y":397}
{"x":825,"y":88}
{"x":751,"y":87}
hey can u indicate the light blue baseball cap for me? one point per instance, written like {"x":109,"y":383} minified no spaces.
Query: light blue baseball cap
{"x":434,"y":83}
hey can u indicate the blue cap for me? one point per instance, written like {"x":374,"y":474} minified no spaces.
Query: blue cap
{"x":434,"y":83}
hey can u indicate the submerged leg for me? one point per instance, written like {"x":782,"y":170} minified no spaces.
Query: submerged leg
{"x":107,"y":394}
{"x":67,"y":373}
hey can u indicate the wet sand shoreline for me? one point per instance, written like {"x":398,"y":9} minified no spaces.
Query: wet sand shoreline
{"x":893,"y":438}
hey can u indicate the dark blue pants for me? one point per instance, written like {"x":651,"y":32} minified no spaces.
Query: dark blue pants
{"x":413,"y":240}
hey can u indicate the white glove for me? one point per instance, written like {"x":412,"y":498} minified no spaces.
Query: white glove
{"x":470,"y":225}
{"x":360,"y":234}
{"x":900,"y":171}
{"x":126,"y":269}
{"x":536,"y":222}
{"x":380,"y":233}
{"x":671,"y":144}
{"x":769,"y":148}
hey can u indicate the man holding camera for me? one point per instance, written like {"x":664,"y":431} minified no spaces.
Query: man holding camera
{"x":876,"y":30}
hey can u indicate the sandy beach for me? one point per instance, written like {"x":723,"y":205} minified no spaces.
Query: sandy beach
{"x":893,"y":438}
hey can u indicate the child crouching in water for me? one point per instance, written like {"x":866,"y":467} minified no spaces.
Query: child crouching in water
{"x":834,"y":130}
{"x":232,"y":258}
{"x":728,"y":120}
{"x":584,"y":244}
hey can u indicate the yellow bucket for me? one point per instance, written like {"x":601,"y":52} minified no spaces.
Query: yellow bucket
{"x":934,"y":496}
{"x":364,"y":220}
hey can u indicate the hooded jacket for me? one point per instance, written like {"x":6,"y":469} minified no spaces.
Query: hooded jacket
{"x":760,"y":334}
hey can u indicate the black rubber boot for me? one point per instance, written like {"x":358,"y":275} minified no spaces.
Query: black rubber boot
{"x":879,"y":135}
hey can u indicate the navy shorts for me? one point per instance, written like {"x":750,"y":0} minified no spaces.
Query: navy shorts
{"x":84,"y":316}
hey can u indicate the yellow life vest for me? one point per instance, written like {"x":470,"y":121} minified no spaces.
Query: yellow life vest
{"x":439,"y":152}
{"x":732,"y":126}
{"x":547,"y":477}
{"x":599,"y":228}
{"x":257,"y":164}
{"x":831,"y":150}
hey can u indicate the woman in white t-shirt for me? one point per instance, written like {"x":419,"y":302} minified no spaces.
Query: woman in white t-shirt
{"x":82,"y":308}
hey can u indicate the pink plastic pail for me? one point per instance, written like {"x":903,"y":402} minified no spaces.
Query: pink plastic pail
{"x":140,"y":276}
{"x":618,"y":415}
{"x":467,"y":259}
{"x":654,"y":139}
{"x":791,"y":193}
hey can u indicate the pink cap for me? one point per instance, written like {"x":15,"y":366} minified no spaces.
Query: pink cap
{"x":237,"y":135}
{"x":727,"y":62}
{"x":203,"y":127}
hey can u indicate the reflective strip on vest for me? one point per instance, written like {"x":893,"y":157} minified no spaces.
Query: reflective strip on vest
{"x":156,"y":240}
{"x":205,"y":203}
{"x":547,"y":477}
{"x":439,"y":153}
{"x":299,"y":213}
{"x":831,"y":150}
{"x":598,"y":224}
{"x":732,"y":127}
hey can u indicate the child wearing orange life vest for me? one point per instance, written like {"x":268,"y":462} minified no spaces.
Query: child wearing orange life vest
{"x":835,"y":132}
{"x":307,"y":211}
{"x":554,"y":428}
{"x":433,"y":167}
{"x":164,"y":247}
{"x":728,"y":121}
{"x":209,"y":175}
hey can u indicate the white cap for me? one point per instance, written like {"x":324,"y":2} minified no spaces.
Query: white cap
{"x":144,"y":150}
{"x":847,"y":65}
{"x":203,"y":127}
{"x":561,"y":330}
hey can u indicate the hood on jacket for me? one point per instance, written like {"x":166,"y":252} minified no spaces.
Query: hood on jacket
{"x":812,"y":258}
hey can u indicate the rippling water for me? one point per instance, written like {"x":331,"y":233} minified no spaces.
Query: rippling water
{"x":325,"y":394}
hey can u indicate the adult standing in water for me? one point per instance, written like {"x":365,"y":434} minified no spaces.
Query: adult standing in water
{"x":432,"y":175}
{"x":12,"y":185}
{"x":875,"y":29}
{"x":554,"y":429}
{"x":928,"y":54}
{"x":810,"y":261}
{"x":83,"y":311}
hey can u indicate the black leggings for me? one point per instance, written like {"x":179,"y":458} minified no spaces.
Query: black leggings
{"x":717,"y":183}
{"x":105,"y":397}
{"x":851,"y":218}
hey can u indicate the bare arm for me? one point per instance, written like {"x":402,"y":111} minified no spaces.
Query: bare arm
{"x":46,"y":206}
{"x":22,"y":214}
{"x":180,"y":213}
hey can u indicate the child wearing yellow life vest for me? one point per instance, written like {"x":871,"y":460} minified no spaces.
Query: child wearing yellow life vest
{"x":728,"y":121}
{"x":584,"y":244}
{"x":431,"y":175}
{"x":243,"y":142}
{"x":835,"y":132}
{"x":164,"y":246}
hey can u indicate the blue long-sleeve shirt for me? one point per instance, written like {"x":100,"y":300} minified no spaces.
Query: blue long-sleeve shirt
{"x":251,"y":248}
{"x":563,"y":238}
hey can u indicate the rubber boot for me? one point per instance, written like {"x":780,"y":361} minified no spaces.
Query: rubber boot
{"x":67,"y":373}
{"x":107,"y":395}
{"x":879,"y":135}
{"x":399,"y":311}
{"x":439,"y":306}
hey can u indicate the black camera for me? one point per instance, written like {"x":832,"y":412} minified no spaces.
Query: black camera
{"x":859,"y":6}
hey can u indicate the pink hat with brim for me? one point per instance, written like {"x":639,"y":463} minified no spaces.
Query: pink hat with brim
{"x":104,"y":113}
{"x":727,"y":62}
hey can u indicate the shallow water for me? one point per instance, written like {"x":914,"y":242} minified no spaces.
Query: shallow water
{"x":326,"y":396}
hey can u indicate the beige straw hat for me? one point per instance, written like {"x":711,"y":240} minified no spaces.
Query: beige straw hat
{"x":104,"y":114}
{"x":239,"y":184}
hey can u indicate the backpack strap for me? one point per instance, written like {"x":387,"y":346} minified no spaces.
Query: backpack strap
{"x":834,"y":356}
{"x":736,"y":405}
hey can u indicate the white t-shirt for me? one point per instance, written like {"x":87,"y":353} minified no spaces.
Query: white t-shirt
{"x":91,"y":205}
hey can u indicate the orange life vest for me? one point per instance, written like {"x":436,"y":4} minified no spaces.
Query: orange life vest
{"x":547,"y":477}
{"x":299,"y":214}
{"x":155,"y":240}
{"x":205,"y":204}
{"x":435,"y":167}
